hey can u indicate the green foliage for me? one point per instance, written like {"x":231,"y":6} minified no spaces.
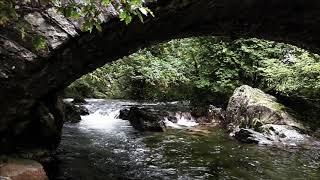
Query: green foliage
{"x":7,"y":12}
{"x":89,"y":12}
{"x":208,"y":69}
{"x":39,"y":42}
{"x":300,"y":79}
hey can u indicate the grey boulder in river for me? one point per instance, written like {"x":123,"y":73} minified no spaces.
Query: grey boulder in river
{"x":256,"y":117}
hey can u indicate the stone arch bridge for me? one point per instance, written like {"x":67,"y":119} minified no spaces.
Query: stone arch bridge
{"x":30,"y":112}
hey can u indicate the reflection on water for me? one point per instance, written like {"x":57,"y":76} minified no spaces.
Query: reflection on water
{"x":102,"y":147}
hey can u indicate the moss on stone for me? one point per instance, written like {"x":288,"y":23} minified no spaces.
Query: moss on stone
{"x":261,"y":98}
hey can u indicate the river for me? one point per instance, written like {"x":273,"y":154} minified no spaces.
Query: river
{"x":102,"y":147}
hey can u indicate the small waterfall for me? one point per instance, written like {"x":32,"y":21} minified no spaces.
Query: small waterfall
{"x":183,"y":120}
{"x":103,"y":116}
{"x":100,"y":120}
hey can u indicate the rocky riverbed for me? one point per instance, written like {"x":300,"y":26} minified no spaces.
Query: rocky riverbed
{"x":102,"y":146}
{"x":123,"y":139}
{"x":251,"y":116}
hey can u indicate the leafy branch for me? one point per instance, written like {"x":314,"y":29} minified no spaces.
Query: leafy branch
{"x":90,"y":12}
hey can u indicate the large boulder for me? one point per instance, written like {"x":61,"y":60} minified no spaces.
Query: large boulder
{"x":79,"y":100}
{"x":124,"y":114}
{"x":250,"y":107}
{"x":254,"y":116}
{"x":210,"y":115}
{"x":21,"y":169}
{"x":145,"y":119}
{"x":206,"y":114}
{"x":73,"y":112}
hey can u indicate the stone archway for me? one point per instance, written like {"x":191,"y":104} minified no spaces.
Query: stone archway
{"x":29,"y":80}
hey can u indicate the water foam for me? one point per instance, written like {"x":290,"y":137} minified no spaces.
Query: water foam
{"x":184,"y":120}
{"x":100,"y":120}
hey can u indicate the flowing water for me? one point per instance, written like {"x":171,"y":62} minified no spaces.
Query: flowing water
{"x":102,"y":147}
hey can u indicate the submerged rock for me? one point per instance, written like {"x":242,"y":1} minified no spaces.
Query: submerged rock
{"x":276,"y":134}
{"x":256,"y":117}
{"x":251,"y":136}
{"x":21,"y":169}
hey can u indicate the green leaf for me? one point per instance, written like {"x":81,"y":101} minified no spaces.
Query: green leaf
{"x":105,"y":2}
{"x":39,"y":42}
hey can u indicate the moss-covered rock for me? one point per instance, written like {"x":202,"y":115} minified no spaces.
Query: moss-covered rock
{"x":256,"y":117}
{"x":251,"y":108}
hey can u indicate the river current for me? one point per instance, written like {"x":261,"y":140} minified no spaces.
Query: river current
{"x":102,"y":147}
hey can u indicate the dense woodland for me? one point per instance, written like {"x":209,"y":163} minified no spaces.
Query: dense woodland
{"x":211,"y":67}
